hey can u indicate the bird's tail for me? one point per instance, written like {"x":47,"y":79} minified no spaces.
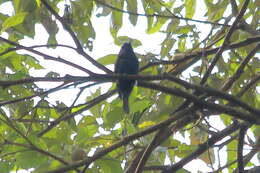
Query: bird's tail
{"x":125,"y":104}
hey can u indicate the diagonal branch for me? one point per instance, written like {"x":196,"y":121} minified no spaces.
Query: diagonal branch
{"x":252,"y":118}
{"x":203,"y":147}
{"x":240,"y":69}
{"x":45,"y":56}
{"x":123,"y":141}
{"x":160,"y":137}
{"x":89,"y":104}
{"x":225,"y":43}
{"x":75,"y":39}
{"x":184,"y":57}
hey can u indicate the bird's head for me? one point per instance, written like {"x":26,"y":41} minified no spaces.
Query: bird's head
{"x":126,"y":48}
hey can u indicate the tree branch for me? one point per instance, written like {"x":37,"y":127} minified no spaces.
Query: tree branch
{"x":203,"y":147}
{"x":241,"y":136}
{"x":45,"y":56}
{"x":225,"y":43}
{"x":251,"y":118}
{"x":240,"y":69}
{"x":184,"y":57}
{"x":75,"y":39}
{"x":123,"y":141}
{"x":89,"y":104}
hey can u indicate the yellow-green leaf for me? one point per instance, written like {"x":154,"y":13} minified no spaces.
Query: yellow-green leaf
{"x":14,"y":20}
{"x":146,"y":124}
{"x":190,"y":6}
{"x":38,"y":2}
{"x":108,"y":59}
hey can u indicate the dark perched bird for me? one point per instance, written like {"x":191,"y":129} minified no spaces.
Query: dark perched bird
{"x":127,"y":63}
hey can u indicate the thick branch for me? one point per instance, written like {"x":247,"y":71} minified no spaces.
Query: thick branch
{"x":251,"y":118}
{"x":240,"y":158}
{"x":177,"y":92}
{"x":184,"y":57}
{"x":203,"y":147}
{"x":123,"y":141}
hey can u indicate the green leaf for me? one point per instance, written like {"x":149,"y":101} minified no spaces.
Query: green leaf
{"x":190,"y":6}
{"x":167,"y":46}
{"x":17,"y":62}
{"x":114,"y":116}
{"x":30,"y":159}
{"x":109,"y":165}
{"x":116,"y":18}
{"x":182,"y":29}
{"x":182,"y":171}
{"x":157,"y":26}
{"x":132,"y":7}
{"x":14,"y":20}
{"x":172,"y":25}
{"x":87,"y":127}
{"x":122,"y":39}
{"x":5,"y":166}
{"x":38,"y":2}
{"x":108,"y":59}
{"x":32,"y":62}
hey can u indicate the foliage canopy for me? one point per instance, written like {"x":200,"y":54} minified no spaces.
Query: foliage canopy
{"x":222,"y":88}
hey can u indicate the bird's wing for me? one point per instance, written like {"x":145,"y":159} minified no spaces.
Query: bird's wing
{"x":117,"y":65}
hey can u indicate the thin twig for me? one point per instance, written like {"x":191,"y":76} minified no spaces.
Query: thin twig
{"x":225,"y":43}
{"x":158,"y":15}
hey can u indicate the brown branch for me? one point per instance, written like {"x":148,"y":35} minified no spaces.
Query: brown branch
{"x":177,"y":92}
{"x":65,"y":79}
{"x":31,"y":96}
{"x":45,"y":56}
{"x":249,"y":85}
{"x":251,"y":118}
{"x":247,"y":158}
{"x":225,"y":43}
{"x":36,"y":46}
{"x":243,"y":24}
{"x":203,"y":147}
{"x":89,"y":104}
{"x":160,"y":137}
{"x":64,"y":24}
{"x":240,"y":69}
{"x":75,"y":39}
{"x":241,"y":136}
{"x":155,"y":168}
{"x":123,"y":141}
{"x":184,"y":57}
{"x":38,"y":150}
{"x":31,"y":146}
{"x":216,"y":93}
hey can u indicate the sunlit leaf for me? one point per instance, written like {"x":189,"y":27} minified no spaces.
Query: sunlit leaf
{"x":14,"y":20}
{"x":146,"y":124}
{"x":108,"y":59}
{"x":190,"y":6}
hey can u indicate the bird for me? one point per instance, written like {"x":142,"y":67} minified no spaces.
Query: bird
{"x":126,"y":63}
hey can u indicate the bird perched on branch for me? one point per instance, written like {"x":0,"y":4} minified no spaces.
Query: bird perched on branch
{"x":127,"y":63}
